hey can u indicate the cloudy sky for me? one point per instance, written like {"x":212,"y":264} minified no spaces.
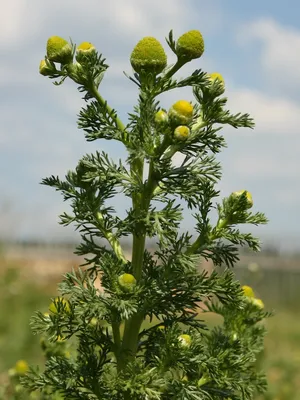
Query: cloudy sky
{"x":256,"y":47}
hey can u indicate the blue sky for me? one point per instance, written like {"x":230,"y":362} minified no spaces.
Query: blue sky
{"x":256,"y":47}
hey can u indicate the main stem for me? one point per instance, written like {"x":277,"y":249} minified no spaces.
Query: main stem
{"x":133,"y":325}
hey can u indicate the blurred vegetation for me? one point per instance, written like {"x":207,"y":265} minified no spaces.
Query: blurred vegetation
{"x":21,"y":295}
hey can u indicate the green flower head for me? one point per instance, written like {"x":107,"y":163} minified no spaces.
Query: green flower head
{"x":239,"y":193}
{"x":248,"y":291}
{"x":148,"y":56}
{"x":84,"y":51}
{"x":161,"y":117}
{"x":181,"y":113}
{"x":21,"y":367}
{"x":185,"y":340}
{"x":190,"y":46}
{"x":59,"y":50}
{"x":85,"y":47}
{"x":44,"y":68}
{"x":127,"y":282}
{"x":215,"y":76}
{"x":54,"y":306}
{"x":182,"y":132}
{"x":258,"y":303}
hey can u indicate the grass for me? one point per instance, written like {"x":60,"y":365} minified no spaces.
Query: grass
{"x":20,"y":297}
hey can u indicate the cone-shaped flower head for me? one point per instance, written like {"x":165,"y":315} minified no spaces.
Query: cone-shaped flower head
{"x":190,"y":45}
{"x":148,"y":56}
{"x":239,"y":193}
{"x":59,"y":50}
{"x":181,"y":113}
{"x":127,"y":282}
{"x":185,"y":340}
{"x":55,"y":305}
{"x":248,"y":291}
{"x":182,"y":132}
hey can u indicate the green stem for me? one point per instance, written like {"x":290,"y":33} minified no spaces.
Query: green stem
{"x":174,"y":69}
{"x":94,"y":91}
{"x":221,"y":224}
{"x":109,"y":236}
{"x":133,"y":325}
{"x":117,"y":341}
{"x":172,"y":150}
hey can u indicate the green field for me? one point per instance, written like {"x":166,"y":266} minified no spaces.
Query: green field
{"x":22,"y":294}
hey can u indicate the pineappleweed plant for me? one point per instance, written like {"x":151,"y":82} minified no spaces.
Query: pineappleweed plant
{"x":116,"y":355}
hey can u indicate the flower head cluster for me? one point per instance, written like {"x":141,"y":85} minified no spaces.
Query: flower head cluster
{"x":250,"y":297}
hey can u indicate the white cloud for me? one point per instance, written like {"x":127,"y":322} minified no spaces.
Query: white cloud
{"x":272,"y":115}
{"x":118,"y":19}
{"x":280,"y":54}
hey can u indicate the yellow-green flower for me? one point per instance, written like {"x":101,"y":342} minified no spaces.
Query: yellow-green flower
{"x":185,"y":340}
{"x":161,"y":117}
{"x":248,"y":291}
{"x":215,"y":76}
{"x":148,"y":56}
{"x":127,"y":282}
{"x":239,"y":193}
{"x":161,"y":328}
{"x":190,"y":46}
{"x":85,"y":47}
{"x":65,"y":305}
{"x":21,"y":367}
{"x":84,"y":51}
{"x":181,"y":113}
{"x":258,"y":303}
{"x":181,"y":132}
{"x":44,"y":69}
{"x":59,"y":50}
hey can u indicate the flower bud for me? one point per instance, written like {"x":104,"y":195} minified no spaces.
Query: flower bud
{"x":248,"y":291}
{"x":59,"y":50}
{"x":238,"y":194}
{"x":215,"y":76}
{"x":258,"y":303}
{"x":161,"y":118}
{"x":185,"y":340}
{"x":181,"y":132}
{"x":148,"y":56}
{"x":127,"y":282}
{"x":94,"y":321}
{"x":21,"y":367}
{"x":84,"y":50}
{"x":45,"y":69}
{"x":181,"y":113}
{"x":190,"y":46}
{"x":64,"y":305}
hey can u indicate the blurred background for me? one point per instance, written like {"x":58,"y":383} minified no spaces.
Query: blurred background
{"x":254,"y":45}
